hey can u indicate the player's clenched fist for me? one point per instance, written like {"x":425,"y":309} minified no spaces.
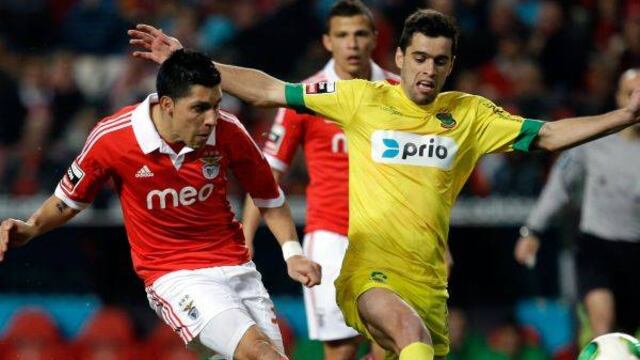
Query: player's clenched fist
{"x":304,"y":271}
{"x":13,"y":233}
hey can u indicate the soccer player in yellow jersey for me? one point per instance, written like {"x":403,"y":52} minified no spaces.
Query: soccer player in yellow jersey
{"x":411,"y":148}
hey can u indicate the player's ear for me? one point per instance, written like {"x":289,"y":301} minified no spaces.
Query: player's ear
{"x":326,"y":41}
{"x":399,"y":58}
{"x":167,"y":105}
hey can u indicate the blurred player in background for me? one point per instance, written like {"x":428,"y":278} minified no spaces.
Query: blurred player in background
{"x":169,"y":157}
{"x":411,"y":149}
{"x":350,"y":37}
{"x":607,"y":174}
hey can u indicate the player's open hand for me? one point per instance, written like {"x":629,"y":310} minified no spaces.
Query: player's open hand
{"x":304,"y":271}
{"x":13,"y":233}
{"x":526,"y":250}
{"x":157,"y":44}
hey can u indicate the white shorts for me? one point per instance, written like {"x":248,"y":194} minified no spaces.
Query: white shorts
{"x":324,"y":318}
{"x":190,"y":300}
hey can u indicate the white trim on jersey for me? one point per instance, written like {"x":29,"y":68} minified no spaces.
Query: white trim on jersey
{"x":271,"y":203}
{"x":276,"y":163}
{"x":76,"y":205}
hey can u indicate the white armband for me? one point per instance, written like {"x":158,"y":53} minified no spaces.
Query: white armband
{"x":291,"y":248}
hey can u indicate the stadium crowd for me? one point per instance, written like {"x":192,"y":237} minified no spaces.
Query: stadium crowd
{"x":64,"y":64}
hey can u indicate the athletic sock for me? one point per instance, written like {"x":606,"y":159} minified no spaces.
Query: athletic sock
{"x":417,"y":351}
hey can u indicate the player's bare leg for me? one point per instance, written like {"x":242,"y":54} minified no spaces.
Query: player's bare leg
{"x":255,"y":345}
{"x":600,"y":308}
{"x":377,"y":351}
{"x":344,"y":349}
{"x":394,"y":324}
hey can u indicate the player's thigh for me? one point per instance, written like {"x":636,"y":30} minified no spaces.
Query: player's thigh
{"x":429,"y":303}
{"x":247,"y":284}
{"x":187,"y":300}
{"x":225,"y":333}
{"x":392,"y":321}
{"x":324,"y":318}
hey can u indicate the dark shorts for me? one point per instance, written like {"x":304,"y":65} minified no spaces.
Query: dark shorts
{"x":613,"y":265}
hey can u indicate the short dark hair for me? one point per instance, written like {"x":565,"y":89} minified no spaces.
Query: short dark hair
{"x":183,"y":69}
{"x":349,"y":8}
{"x":430,"y":23}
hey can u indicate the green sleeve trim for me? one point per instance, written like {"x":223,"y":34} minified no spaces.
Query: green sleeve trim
{"x":528,"y":133}
{"x":294,"y":95}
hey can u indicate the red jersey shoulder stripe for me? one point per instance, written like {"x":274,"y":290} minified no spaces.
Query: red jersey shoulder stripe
{"x":107,"y":128}
{"x":105,"y":124}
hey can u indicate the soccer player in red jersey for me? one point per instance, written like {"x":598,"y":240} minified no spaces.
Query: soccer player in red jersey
{"x":169,"y":158}
{"x":350,"y":37}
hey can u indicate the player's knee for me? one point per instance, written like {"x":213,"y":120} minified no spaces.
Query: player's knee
{"x":257,"y":346}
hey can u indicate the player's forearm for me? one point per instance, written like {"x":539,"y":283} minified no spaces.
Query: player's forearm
{"x":280,"y":223}
{"x":253,"y":86}
{"x":251,"y":214}
{"x":53,"y":213}
{"x":250,"y":220}
{"x":566,"y":133}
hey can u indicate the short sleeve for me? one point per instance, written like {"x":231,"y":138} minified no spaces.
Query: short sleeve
{"x":499,"y":131}
{"x":284,"y":137}
{"x":251,"y":169}
{"x":86,"y":175}
{"x":337,"y":100}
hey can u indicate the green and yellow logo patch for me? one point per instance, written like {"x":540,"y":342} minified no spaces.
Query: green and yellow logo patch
{"x":378,"y":276}
{"x":446,"y":120}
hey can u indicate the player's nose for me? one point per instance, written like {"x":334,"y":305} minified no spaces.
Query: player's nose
{"x":211,"y":118}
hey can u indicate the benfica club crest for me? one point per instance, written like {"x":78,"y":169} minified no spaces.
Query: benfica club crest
{"x":211,"y":163}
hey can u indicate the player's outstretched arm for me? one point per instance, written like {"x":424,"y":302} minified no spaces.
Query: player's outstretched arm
{"x":251,"y":85}
{"x":53,"y":213}
{"x":566,"y":133}
{"x":299,"y":267}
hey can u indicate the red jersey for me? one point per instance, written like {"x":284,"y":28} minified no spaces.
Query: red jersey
{"x":325,"y":150}
{"x":174,"y":206}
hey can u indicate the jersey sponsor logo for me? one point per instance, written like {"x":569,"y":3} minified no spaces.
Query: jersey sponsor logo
{"x":72,"y":177}
{"x":144,"y":172}
{"x":211,"y":166}
{"x":397,"y":147}
{"x":186,"y":196}
{"x":339,"y":143}
{"x":322,"y":87}
{"x":274,"y":140}
{"x":446,"y":120}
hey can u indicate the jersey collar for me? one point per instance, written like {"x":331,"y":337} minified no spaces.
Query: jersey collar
{"x":146,"y":134}
{"x":329,"y":70}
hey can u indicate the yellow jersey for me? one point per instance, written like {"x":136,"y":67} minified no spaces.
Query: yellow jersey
{"x":407,"y":165}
